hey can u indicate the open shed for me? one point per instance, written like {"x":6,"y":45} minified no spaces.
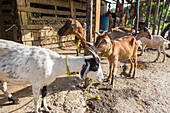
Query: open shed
{"x":36,"y":22}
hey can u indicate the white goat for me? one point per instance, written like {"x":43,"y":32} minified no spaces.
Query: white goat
{"x":155,"y":41}
{"x":22,"y":64}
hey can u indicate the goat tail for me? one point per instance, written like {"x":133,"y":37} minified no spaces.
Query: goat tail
{"x":166,"y":42}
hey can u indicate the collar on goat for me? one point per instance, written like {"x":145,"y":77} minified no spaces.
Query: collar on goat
{"x":68,"y":71}
{"x":101,"y":54}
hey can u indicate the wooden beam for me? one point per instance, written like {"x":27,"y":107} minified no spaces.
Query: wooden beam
{"x":161,"y":17}
{"x":155,"y":16}
{"x":1,"y":20}
{"x":89,"y":17}
{"x":166,"y":13}
{"x":149,"y":4}
{"x":97,"y":18}
{"x":137,"y":16}
{"x":71,"y":8}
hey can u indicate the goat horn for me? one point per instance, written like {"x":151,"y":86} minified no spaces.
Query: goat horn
{"x":97,"y":33}
{"x":92,"y":52}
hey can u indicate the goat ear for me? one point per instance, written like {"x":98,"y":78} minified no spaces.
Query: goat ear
{"x":146,"y":29}
{"x":85,"y":70}
{"x":107,"y":40}
{"x":74,"y":26}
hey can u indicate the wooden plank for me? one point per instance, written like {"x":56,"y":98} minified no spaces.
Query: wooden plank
{"x":97,"y":18}
{"x":48,"y":18}
{"x":63,"y":12}
{"x":81,"y":14}
{"x":45,"y":2}
{"x":155,"y":16}
{"x":6,"y":7}
{"x":38,"y":27}
{"x":79,"y":5}
{"x":46,"y":11}
{"x":24,"y":18}
{"x":37,"y":10}
{"x":21,"y":2}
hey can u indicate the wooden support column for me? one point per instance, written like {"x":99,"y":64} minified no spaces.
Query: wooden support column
{"x":97,"y":18}
{"x":137,"y":16}
{"x":89,"y":17}
{"x":1,"y":20}
{"x":14,"y":16}
{"x":149,"y":4}
{"x":71,"y":8}
{"x":161,"y":17}
{"x":155,"y":16}
{"x":166,"y":13}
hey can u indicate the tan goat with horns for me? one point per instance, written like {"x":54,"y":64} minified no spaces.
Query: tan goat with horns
{"x":121,"y":49}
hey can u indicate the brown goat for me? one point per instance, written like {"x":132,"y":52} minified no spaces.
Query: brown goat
{"x":119,"y":32}
{"x":74,"y":27}
{"x":122,"y":49}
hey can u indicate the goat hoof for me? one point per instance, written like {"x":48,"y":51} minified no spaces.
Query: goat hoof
{"x":49,"y":108}
{"x":111,"y":87}
{"x":14,"y":100}
{"x":108,"y":80}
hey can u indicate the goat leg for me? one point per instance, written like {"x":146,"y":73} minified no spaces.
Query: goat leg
{"x":3,"y":87}
{"x":110,"y":71}
{"x":158,"y":50}
{"x":135,"y":64}
{"x":132,"y":65}
{"x":143,"y":48}
{"x":113,"y":74}
{"x":164,"y":53}
{"x":44,"y":102}
{"x":36,"y":94}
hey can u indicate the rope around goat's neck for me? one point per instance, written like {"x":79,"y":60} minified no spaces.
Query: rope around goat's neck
{"x":96,"y":97}
{"x":68,"y":71}
{"x":101,"y":54}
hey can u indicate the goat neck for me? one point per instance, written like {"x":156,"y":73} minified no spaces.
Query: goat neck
{"x":74,"y":63}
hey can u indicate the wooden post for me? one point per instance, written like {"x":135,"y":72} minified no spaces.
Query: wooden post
{"x":14,"y":18}
{"x":166,"y":13}
{"x":89,"y":17}
{"x":1,"y":20}
{"x":97,"y":18}
{"x":137,"y":16}
{"x":155,"y":16}
{"x":149,"y":4}
{"x":161,"y":17}
{"x":141,"y":16}
{"x":72,"y":8}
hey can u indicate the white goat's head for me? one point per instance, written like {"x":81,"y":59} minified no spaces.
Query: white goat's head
{"x":92,"y":68}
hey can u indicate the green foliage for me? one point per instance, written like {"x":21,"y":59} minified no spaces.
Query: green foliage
{"x":129,"y":23}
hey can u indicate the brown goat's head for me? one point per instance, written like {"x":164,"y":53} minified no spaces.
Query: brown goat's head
{"x":144,"y":33}
{"x":102,"y":43}
{"x":71,"y":26}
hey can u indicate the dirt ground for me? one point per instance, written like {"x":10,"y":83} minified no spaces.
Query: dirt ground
{"x":149,"y":92}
